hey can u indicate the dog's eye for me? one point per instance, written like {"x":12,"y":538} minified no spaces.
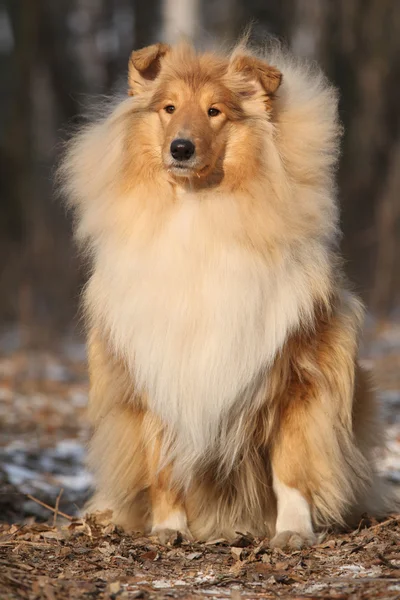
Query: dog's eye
{"x":169,"y":109}
{"x":213,"y":112}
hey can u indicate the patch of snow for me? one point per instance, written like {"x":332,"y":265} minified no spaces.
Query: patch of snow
{"x":218,"y":593}
{"x":55,"y":371}
{"x":78,"y":399}
{"x":315,"y":587}
{"x":360,"y":571}
{"x":201,"y":578}
{"x":17,"y":474}
{"x":389,"y":463}
{"x":69,"y":449}
{"x":77,"y":483}
{"x":43,"y":471}
{"x":161,"y":584}
{"x":390,"y":397}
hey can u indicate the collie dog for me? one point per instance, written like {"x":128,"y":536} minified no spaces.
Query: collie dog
{"x":225,"y":392}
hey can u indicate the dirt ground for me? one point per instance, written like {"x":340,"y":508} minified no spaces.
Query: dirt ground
{"x":49,"y":552}
{"x":85,"y":559}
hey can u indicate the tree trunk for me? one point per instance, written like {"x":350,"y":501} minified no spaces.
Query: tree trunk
{"x":181,"y":18}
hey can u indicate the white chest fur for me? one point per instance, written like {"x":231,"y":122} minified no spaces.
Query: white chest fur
{"x":196,"y":319}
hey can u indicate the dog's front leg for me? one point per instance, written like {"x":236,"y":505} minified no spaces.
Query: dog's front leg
{"x":319,"y":470}
{"x":292,"y":482}
{"x":167,"y":505}
{"x":169,"y":515}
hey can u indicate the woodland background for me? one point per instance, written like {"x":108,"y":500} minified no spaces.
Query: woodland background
{"x":55,"y":57}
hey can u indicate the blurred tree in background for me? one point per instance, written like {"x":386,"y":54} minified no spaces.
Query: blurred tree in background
{"x":56,"y":56}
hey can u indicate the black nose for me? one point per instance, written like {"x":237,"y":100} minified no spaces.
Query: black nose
{"x":182,"y":149}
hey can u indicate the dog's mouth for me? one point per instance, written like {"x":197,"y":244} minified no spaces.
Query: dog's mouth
{"x":185,"y":170}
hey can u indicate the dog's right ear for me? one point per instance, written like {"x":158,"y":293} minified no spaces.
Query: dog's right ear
{"x":144,"y":67}
{"x":256,"y":73}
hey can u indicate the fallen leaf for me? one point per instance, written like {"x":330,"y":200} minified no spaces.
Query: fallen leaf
{"x":151,"y":555}
{"x":194,"y":555}
{"x":114,"y":587}
{"x":237,"y":553}
{"x":329,"y":544}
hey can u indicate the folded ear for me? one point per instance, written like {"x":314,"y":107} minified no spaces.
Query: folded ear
{"x":257,"y":75}
{"x":144,"y":66}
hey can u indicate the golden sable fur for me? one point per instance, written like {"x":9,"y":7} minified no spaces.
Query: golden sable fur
{"x":225,"y":390}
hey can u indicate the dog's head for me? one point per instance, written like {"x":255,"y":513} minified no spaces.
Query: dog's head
{"x":198,"y":102}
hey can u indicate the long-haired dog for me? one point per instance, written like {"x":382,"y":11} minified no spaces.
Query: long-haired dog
{"x":225,"y":390}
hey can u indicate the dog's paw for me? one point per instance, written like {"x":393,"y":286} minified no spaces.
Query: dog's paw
{"x":173,"y":529}
{"x":171,"y":537}
{"x":293,"y":540}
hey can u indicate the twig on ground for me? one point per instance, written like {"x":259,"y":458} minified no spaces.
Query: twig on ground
{"x":383,"y":523}
{"x":62,"y":514}
{"x":56,"y":511}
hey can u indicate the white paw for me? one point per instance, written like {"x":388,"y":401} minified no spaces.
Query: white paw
{"x":293,"y":540}
{"x":293,"y":524}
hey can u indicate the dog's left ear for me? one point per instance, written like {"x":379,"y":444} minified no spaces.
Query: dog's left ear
{"x":256,"y":75}
{"x":144,"y":67}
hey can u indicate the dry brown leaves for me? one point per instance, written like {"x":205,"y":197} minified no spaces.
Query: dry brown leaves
{"x":91,"y":558}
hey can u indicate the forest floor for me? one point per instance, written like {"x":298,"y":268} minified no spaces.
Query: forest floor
{"x":52,"y":553}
